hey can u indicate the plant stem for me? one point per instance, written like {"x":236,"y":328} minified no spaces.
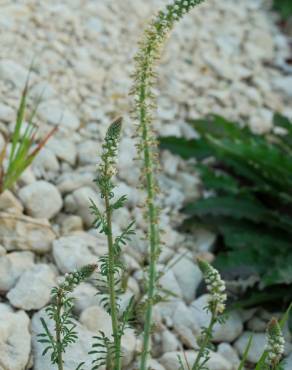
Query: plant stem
{"x":153,"y":232}
{"x":206,"y":340}
{"x":111,"y":283}
{"x":145,"y":78}
{"x":58,"y":330}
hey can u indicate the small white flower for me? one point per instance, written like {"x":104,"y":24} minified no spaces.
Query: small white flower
{"x":112,"y":171}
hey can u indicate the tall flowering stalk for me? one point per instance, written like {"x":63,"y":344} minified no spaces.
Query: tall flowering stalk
{"x":216,"y":306}
{"x":107,"y":170}
{"x":145,"y":78}
{"x":106,"y":350}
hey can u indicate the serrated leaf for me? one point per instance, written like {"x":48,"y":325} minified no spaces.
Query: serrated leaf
{"x":245,"y":354}
{"x":218,"y":180}
{"x":249,"y":182}
{"x":185,"y":148}
{"x":238,"y":208}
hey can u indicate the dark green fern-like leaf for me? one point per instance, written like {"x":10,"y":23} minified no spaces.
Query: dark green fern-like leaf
{"x":249,"y":203}
{"x":237,"y":208}
{"x":218,"y":180}
{"x":184,"y":147}
{"x":284,"y":7}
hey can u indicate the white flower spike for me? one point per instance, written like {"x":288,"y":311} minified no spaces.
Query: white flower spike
{"x":275,"y":343}
{"x":215,"y":286}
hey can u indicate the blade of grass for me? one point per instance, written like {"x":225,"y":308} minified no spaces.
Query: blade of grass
{"x":43,"y":142}
{"x":18,"y":161}
{"x":21,"y":115}
{"x":23,"y":159}
{"x":2,"y":156}
{"x":285,"y":316}
{"x":186,"y":360}
{"x":246,"y":351}
{"x":19,"y":122}
{"x":29,"y":133}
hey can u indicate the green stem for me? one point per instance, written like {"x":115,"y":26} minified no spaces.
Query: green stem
{"x":206,"y":340}
{"x":153,"y":232}
{"x":148,"y":55}
{"x":58,"y":331}
{"x":111,"y":283}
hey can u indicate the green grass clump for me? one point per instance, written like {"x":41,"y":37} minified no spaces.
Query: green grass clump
{"x":21,"y":153}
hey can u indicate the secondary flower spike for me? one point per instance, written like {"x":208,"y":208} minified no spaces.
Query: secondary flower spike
{"x":215,"y":286}
{"x":276,"y":342}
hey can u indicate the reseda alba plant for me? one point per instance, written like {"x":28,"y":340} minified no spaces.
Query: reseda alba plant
{"x":275,"y":345}
{"x":145,"y":78}
{"x":216,"y":306}
{"x":60,"y":312}
{"x":108,"y":351}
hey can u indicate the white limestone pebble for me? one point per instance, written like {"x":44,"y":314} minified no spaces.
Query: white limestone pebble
{"x":15,"y":338}
{"x":12,"y":72}
{"x":54,"y":113}
{"x":19,"y":232}
{"x":12,"y":265}
{"x":32,"y":291}
{"x":78,"y":203}
{"x":86,"y":249}
{"x":41,"y":199}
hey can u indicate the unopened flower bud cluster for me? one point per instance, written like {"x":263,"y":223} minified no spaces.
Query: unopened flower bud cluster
{"x":176,"y":10}
{"x":107,"y":167}
{"x":215,"y":286}
{"x":110,"y":152}
{"x":276,"y":342}
{"x":111,"y":145}
{"x":74,"y":278}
